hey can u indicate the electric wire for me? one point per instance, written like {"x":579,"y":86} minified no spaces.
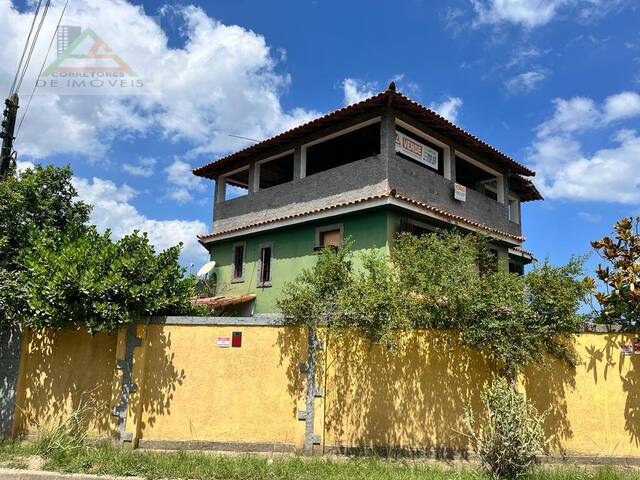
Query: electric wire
{"x":44,"y":62}
{"x":24,"y":49}
{"x":33,"y":45}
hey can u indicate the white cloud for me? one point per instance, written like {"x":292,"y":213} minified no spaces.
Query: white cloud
{"x":184,"y":184}
{"x":356,"y":90}
{"x":223,"y":79}
{"x":582,"y":113}
{"x":22,"y":166}
{"x":620,"y":106}
{"x":449,"y":108}
{"x":526,"y":13}
{"x":142,"y":168}
{"x":525,"y":82}
{"x":590,"y":217}
{"x":608,"y":174}
{"x":536,"y":13}
{"x":578,"y":113}
{"x":113,"y":210}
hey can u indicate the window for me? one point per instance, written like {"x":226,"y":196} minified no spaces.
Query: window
{"x":517,"y":268}
{"x":349,"y":147}
{"x":415,"y":228}
{"x":237,"y":184}
{"x":264,"y":271}
{"x":329,"y":236}
{"x":238,"y":262}
{"x":476,"y":178}
{"x":275,"y":172}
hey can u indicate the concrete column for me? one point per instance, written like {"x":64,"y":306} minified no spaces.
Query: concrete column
{"x":253,"y":182}
{"x":502,"y":189}
{"x":388,"y":134}
{"x":221,"y":186}
{"x":299,"y":170}
{"x":452,"y":164}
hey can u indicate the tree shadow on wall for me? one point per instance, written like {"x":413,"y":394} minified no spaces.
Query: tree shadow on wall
{"x":70,"y":370}
{"x":546,"y":386}
{"x":605,"y":360}
{"x":292,"y":345}
{"x":159,"y":378}
{"x":67,"y":371}
{"x":410,"y":400}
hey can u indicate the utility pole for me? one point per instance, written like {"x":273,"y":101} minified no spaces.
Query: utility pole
{"x":7,"y":134}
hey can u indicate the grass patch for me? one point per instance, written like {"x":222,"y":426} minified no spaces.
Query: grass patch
{"x":107,"y":459}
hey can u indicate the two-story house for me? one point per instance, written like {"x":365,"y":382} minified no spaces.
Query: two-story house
{"x":368,"y":171}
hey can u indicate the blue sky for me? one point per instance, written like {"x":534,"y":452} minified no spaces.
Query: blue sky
{"x":552,"y":83}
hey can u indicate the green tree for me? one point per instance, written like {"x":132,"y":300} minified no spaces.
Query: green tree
{"x":620,"y":301}
{"x":450,"y":281}
{"x":37,"y":197}
{"x":57,"y":271}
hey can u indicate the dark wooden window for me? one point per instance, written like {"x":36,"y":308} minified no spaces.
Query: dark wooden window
{"x":330,"y":238}
{"x":516,"y":268}
{"x":265,"y":267}
{"x":238,"y":262}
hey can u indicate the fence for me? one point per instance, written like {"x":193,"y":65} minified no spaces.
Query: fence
{"x":178,"y":383}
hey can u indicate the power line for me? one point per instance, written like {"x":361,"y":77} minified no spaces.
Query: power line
{"x":24,"y":49}
{"x":243,"y":138}
{"x":44,"y":62}
{"x":33,"y":45}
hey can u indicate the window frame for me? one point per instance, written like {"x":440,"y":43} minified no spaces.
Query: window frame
{"x":239,"y":279}
{"x":258,"y":165}
{"x":331,"y":136}
{"x":259,"y":282}
{"x":328,"y":228}
{"x":416,"y":223}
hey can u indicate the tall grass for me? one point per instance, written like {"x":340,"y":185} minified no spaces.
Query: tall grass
{"x":68,"y":436}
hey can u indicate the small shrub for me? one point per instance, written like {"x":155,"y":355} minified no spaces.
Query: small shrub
{"x":67,"y":437}
{"x":510,"y":434}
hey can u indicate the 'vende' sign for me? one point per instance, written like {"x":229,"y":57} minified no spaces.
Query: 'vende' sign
{"x":416,"y":150}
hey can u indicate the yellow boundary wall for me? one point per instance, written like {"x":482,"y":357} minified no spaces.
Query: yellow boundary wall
{"x":193,"y":393}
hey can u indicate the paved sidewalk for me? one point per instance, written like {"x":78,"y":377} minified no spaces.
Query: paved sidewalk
{"x":10,"y":474}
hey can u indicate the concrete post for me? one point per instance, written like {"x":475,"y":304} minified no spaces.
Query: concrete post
{"x":221,"y":186}
{"x":252,"y":186}
{"x":297,"y":163}
{"x":309,"y":437}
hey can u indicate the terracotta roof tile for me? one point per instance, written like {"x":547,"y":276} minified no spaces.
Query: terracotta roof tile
{"x":390,"y":194}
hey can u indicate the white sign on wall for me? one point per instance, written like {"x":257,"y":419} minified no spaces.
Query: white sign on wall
{"x":459,"y":192}
{"x":416,"y":150}
{"x":223,"y":342}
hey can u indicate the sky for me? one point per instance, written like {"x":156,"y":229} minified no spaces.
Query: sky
{"x":555,"y":84}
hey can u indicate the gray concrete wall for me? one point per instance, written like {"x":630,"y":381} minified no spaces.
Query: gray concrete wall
{"x":347,"y":182}
{"x":421,"y":184}
{"x":10,"y":341}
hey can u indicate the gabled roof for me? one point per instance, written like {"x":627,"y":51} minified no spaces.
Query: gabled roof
{"x":389,"y":97}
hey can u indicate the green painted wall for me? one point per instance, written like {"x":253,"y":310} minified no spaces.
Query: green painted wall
{"x":292,"y":252}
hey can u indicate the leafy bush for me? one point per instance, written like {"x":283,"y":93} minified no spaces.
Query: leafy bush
{"x":510,"y":434}
{"x":83,"y":278}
